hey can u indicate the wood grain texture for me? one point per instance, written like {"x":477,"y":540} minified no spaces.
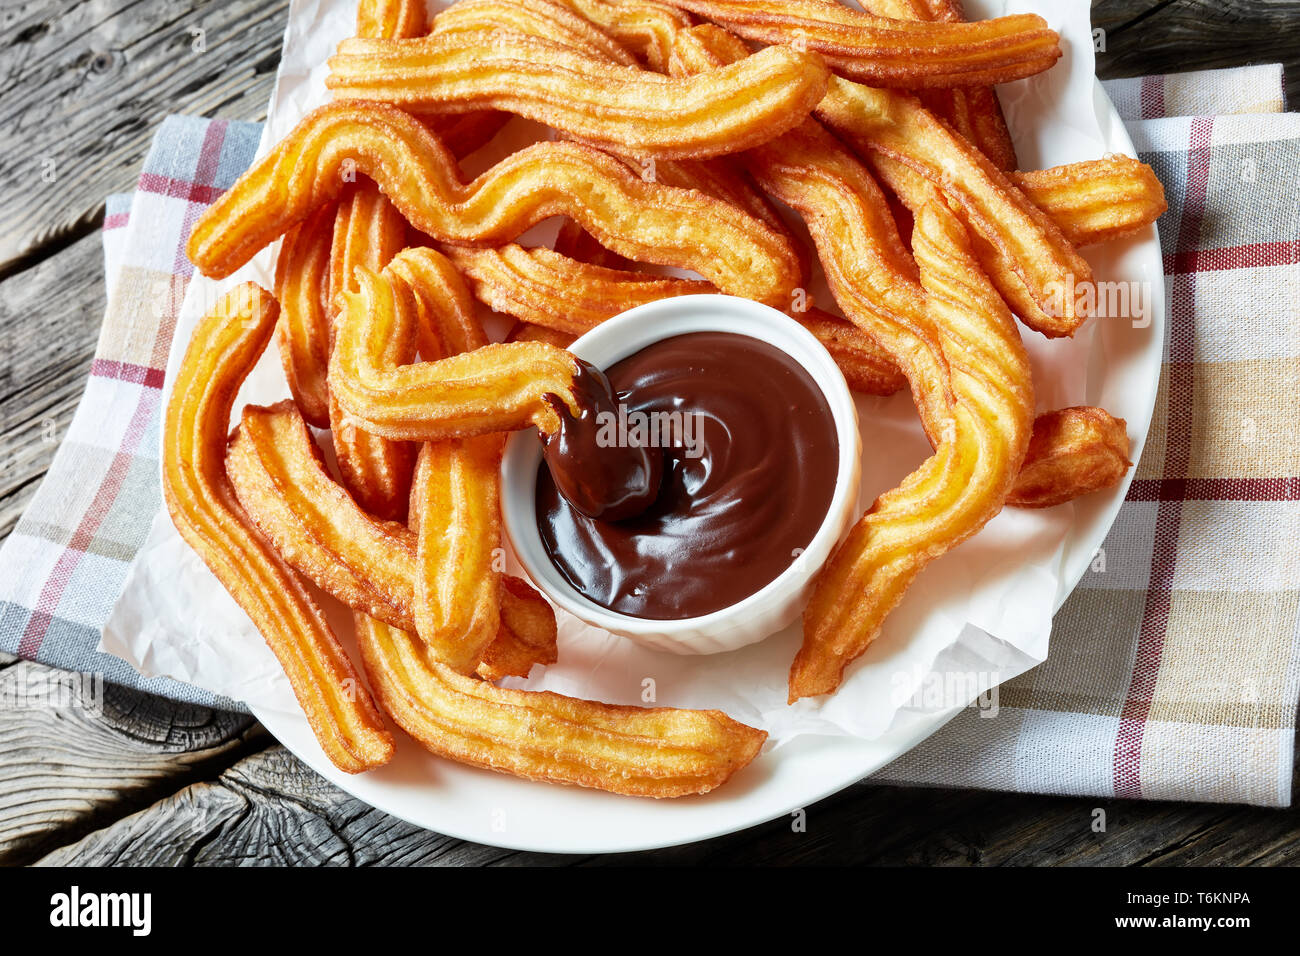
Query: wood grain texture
{"x":85,"y":83}
{"x":1176,"y":36}
{"x":271,"y":809}
{"x":74,"y":754}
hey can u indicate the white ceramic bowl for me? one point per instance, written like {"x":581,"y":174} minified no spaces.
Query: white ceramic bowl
{"x":777,"y":604}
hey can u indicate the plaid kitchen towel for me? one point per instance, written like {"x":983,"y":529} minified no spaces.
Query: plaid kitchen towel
{"x":1173,"y":671}
{"x":64,"y":565}
{"x":1175,"y":665}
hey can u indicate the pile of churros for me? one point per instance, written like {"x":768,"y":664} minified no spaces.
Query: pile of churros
{"x":686,"y":133}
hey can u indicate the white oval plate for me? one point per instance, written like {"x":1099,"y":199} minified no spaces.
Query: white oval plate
{"x":504,"y":811}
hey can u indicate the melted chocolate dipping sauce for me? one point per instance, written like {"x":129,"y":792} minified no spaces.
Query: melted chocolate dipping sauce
{"x":724,"y":524}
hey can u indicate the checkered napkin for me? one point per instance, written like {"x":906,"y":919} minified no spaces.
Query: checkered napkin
{"x":1174,"y":668}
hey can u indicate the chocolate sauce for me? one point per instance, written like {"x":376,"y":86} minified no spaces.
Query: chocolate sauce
{"x":610,"y":483}
{"x":748,"y":464}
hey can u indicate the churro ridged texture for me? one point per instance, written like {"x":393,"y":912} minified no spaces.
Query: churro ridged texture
{"x":392,"y":18}
{"x":973,"y":111}
{"x":645,"y":27}
{"x":1025,"y":254}
{"x":887,"y":52}
{"x":955,"y":492}
{"x":587,"y":97}
{"x":1096,"y":200}
{"x":546,"y":288}
{"x":456,"y":514}
{"x":203,"y":506}
{"x":499,"y":387}
{"x":539,"y":735}
{"x":1075,"y":451}
{"x":370,"y":565}
{"x":544,"y":18}
{"x":639,"y":219}
{"x":303,"y":332}
{"x":368,"y":233}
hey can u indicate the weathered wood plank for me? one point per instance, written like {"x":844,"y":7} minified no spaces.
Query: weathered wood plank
{"x":75,"y":754}
{"x":246,"y":814}
{"x":84,"y":85}
{"x":50,"y":316}
{"x":1176,"y":36}
{"x":268,"y":809}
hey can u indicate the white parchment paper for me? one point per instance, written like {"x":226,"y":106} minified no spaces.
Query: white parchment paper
{"x":974,"y":618}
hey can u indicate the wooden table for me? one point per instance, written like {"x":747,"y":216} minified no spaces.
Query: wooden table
{"x":150,"y":781}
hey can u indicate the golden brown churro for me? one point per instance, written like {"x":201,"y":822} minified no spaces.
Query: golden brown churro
{"x":1097,"y":200}
{"x":642,"y":26}
{"x":495,"y":388}
{"x":893,"y":52}
{"x":369,"y":565}
{"x":544,"y":18}
{"x":654,"y":752}
{"x":973,"y":111}
{"x":455,"y":511}
{"x":368,"y":232}
{"x":1030,"y":262}
{"x":303,"y":332}
{"x":1074,"y":452}
{"x":545,"y":288}
{"x":203,"y":506}
{"x":955,"y":492}
{"x":639,"y":219}
{"x":588,"y":98}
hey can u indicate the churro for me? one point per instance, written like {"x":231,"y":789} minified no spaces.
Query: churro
{"x":369,"y":565}
{"x":955,"y":492}
{"x":303,"y":332}
{"x":203,"y":506}
{"x":1097,"y":200}
{"x":554,"y":21}
{"x":642,"y":220}
{"x":1025,"y":254}
{"x":539,"y":735}
{"x":456,"y":515}
{"x":885,"y":52}
{"x":588,"y":98}
{"x":545,"y":288}
{"x":368,"y":232}
{"x":1074,"y":452}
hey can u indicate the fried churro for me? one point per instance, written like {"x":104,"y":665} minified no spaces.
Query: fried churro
{"x":303,"y":332}
{"x":203,"y":506}
{"x":1021,"y":248}
{"x":641,"y":220}
{"x":588,"y":98}
{"x":456,"y":515}
{"x":973,"y":111}
{"x":369,"y":232}
{"x":496,"y":388}
{"x":370,"y":565}
{"x":885,"y":52}
{"x":954,"y":493}
{"x":642,"y":26}
{"x":554,"y":21}
{"x":1097,"y":200}
{"x":539,"y":735}
{"x":1074,"y":452}
{"x":545,"y":288}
